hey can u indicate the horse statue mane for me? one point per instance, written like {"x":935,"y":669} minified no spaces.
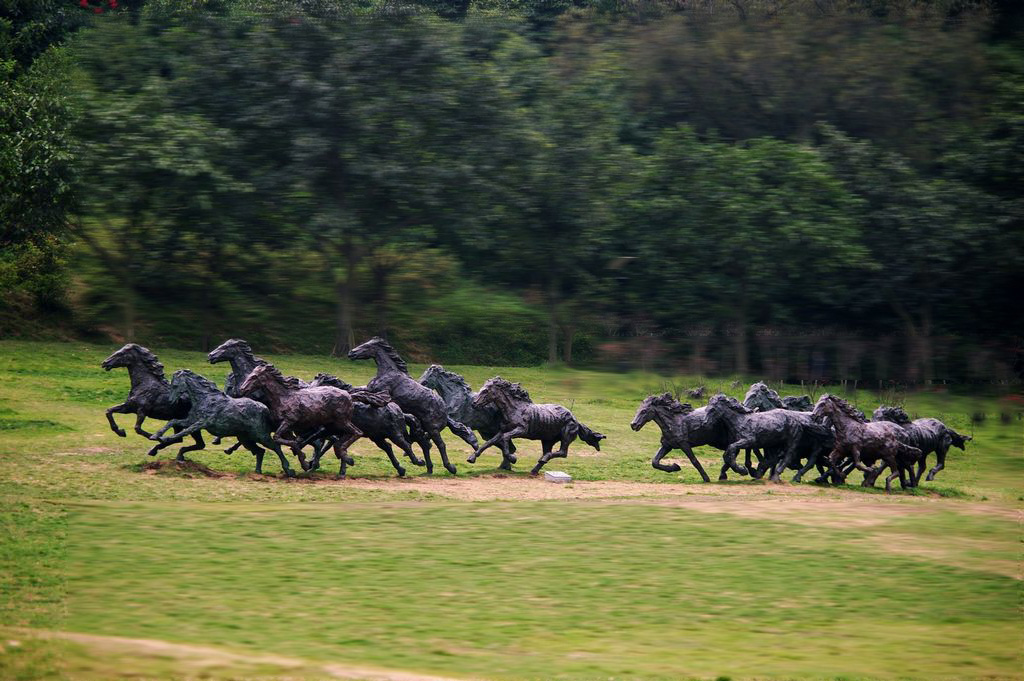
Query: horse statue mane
{"x":845,"y":407}
{"x":289,"y":381}
{"x":513,"y":389}
{"x":730,"y":402}
{"x":671,"y":404}
{"x":198,"y":379}
{"x":392,"y":353}
{"x":451,"y":376}
{"x":148,"y":360}
{"x":891,"y":413}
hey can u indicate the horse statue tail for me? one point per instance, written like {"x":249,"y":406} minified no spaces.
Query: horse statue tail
{"x":957,"y":439}
{"x":591,"y":437}
{"x":371,"y":398}
{"x":464,"y":432}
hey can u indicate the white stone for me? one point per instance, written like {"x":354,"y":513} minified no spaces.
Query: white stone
{"x":557,"y":476}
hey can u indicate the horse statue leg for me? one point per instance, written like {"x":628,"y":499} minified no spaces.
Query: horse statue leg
{"x":449,"y":466}
{"x":117,"y":409}
{"x":199,"y":444}
{"x":386,"y":446}
{"x":140,"y":417}
{"x":659,"y":455}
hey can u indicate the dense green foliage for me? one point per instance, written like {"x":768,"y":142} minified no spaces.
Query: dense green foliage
{"x":811,"y":189}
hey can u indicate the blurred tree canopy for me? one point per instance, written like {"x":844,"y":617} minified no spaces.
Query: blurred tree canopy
{"x":809,"y":189}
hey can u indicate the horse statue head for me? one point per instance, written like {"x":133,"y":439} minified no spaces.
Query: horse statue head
{"x":443,"y":381}
{"x":186,"y":383}
{"x":894,"y":414}
{"x":831,"y":406}
{"x":762,"y":398}
{"x":233,"y":347}
{"x":658,"y":404}
{"x":132,"y":354}
{"x":380,"y":350}
{"x":267,"y":377}
{"x":497,"y":391}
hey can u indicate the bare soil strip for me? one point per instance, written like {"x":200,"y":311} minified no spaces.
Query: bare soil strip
{"x":199,"y":657}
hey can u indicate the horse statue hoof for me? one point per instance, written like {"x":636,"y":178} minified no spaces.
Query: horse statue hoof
{"x":471,"y":459}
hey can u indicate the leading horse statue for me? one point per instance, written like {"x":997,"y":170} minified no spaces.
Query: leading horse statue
{"x":150,"y":394}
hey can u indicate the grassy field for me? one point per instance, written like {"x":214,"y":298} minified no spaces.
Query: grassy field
{"x":113,"y":568}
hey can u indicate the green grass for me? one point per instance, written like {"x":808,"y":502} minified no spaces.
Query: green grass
{"x":918,"y":586}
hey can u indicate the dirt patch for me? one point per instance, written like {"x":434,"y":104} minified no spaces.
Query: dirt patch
{"x":181,"y":469}
{"x":195,"y":658}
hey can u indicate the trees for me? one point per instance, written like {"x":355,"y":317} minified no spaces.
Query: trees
{"x":35,"y":154}
{"x":928,"y":239}
{"x":740,"y":231}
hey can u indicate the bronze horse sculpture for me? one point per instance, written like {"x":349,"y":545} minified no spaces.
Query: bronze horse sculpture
{"x":928,"y":435}
{"x":520,"y":417}
{"x":861,"y":440}
{"x":413,"y":398}
{"x":381,"y":424}
{"x":322,"y":410}
{"x":458,"y":399}
{"x":780,"y":431}
{"x":682,"y":427}
{"x":150,"y":394}
{"x":221,"y":416}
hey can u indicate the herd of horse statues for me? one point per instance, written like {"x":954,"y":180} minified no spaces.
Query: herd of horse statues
{"x":264,"y":409}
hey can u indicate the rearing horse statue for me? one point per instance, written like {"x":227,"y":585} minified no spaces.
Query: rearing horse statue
{"x":422,"y":402}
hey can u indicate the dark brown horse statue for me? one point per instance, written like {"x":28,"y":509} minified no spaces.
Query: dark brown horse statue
{"x":325,"y":410}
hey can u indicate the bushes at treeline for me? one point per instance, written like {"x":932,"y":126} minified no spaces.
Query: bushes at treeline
{"x":811,"y":189}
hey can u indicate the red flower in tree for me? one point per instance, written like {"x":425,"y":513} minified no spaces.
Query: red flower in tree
{"x":84,"y":3}
{"x":113,"y":4}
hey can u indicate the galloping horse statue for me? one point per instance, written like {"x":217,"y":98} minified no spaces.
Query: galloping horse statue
{"x":928,"y":435}
{"x":222,"y":416}
{"x":379,"y":423}
{"x":682,"y":427}
{"x":520,"y":417}
{"x":150,"y":394}
{"x":458,"y":399}
{"x":860,"y":440}
{"x":779,"y":430}
{"x":322,"y":409}
{"x":416,"y":399}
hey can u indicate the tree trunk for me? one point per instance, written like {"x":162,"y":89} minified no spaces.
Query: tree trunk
{"x":570,"y":333}
{"x":552,"y":297}
{"x":344,"y":338}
